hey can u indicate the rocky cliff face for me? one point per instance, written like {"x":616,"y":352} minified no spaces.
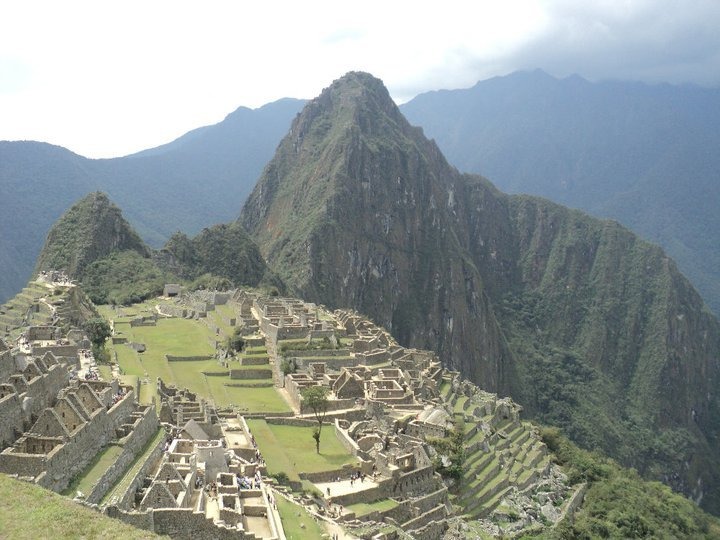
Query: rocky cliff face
{"x":585,"y":324}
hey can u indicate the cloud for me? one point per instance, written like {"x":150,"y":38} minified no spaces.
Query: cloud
{"x":652,"y":41}
{"x":108,"y":78}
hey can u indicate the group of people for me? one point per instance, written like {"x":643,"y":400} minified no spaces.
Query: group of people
{"x":92,"y":376}
{"x":119,"y":395}
{"x":357,"y":476}
{"x":247,"y":482}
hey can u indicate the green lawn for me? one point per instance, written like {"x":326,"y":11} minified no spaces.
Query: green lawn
{"x":179,"y":337}
{"x":105,"y":372}
{"x":297,"y":523}
{"x":186,"y":337}
{"x":291,"y":449}
{"x":97,"y":467}
{"x":362,"y":509}
{"x":250,"y":399}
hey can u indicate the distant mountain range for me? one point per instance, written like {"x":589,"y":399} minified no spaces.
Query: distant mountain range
{"x":641,"y":154}
{"x":200,"y":179}
{"x":645,"y":155}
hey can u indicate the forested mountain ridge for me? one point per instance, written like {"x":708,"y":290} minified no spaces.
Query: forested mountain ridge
{"x":195,"y":181}
{"x":93,"y":244}
{"x":645,"y":155}
{"x":591,"y":327}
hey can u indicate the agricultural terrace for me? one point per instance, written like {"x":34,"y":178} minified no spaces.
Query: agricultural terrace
{"x":185,"y":338}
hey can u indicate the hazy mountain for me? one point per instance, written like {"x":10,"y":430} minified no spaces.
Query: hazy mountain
{"x":586,"y":325}
{"x":191,"y":183}
{"x":645,"y":155}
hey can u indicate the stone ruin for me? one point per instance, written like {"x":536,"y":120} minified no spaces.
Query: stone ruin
{"x":204,"y":477}
{"x":203,"y":480}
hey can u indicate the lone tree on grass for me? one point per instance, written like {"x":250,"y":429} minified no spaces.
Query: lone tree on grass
{"x":315,"y":397}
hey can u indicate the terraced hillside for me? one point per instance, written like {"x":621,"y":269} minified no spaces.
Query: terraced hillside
{"x":42,"y":302}
{"x":504,"y":457}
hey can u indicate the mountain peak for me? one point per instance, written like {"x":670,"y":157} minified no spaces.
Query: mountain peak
{"x":90,"y":230}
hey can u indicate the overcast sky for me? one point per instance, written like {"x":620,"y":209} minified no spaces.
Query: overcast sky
{"x":106,"y":78}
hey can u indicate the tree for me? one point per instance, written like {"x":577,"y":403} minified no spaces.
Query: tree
{"x":288,"y":365}
{"x":97,"y":330}
{"x":236,"y":342}
{"x":315,"y":397}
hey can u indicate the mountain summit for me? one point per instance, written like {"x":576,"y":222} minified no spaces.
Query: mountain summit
{"x":586,"y":325}
{"x":90,"y":230}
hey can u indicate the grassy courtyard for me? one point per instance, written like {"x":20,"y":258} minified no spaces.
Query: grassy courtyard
{"x":291,"y":449}
{"x":185,"y":337}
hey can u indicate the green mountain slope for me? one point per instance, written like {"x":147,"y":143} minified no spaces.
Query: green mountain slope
{"x":595,"y":329}
{"x":94,"y":244}
{"x":222,"y":251}
{"x":197,"y":180}
{"x":644,"y":155}
{"x":90,"y":230}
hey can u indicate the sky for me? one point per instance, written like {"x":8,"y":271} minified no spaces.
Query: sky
{"x":108,"y":78}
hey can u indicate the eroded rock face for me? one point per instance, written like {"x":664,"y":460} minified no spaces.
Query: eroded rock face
{"x":574,"y":317}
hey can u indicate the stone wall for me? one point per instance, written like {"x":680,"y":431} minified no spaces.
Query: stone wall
{"x":7,"y":365}
{"x":431,"y":531}
{"x":171,"y":358}
{"x":251,"y":373}
{"x":119,"y":412}
{"x":255,"y":360}
{"x":64,"y":351}
{"x":11,"y":419}
{"x":28,"y":465}
{"x":127,"y":499}
{"x":133,"y":444}
{"x":184,"y":524}
{"x":69,"y":459}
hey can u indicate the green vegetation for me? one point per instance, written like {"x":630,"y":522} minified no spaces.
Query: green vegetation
{"x":362,"y":509}
{"x":98,"y":331}
{"x":124,"y":277}
{"x":297,"y":523}
{"x":219,"y":257}
{"x":452,"y":448}
{"x":290,"y":345}
{"x":97,"y":467}
{"x":291,"y":449}
{"x":28,"y":512}
{"x":316,"y":399}
{"x":619,"y":504}
{"x":90,"y":230}
{"x":236,"y":342}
